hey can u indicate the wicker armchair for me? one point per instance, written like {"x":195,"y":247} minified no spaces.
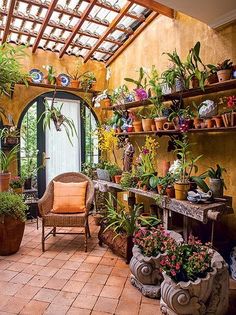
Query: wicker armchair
{"x":55,"y":220}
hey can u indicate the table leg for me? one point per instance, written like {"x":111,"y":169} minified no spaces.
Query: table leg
{"x":166,"y":218}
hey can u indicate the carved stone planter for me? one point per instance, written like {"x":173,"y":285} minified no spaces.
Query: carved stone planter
{"x":206,"y":296}
{"x":145,"y":271}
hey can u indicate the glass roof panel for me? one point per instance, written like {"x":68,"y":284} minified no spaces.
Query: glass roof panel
{"x":30,"y":14}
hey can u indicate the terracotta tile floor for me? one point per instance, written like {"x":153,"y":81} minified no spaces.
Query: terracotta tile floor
{"x":66,"y":280}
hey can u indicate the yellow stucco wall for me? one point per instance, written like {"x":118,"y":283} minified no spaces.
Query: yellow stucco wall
{"x":164,"y":35}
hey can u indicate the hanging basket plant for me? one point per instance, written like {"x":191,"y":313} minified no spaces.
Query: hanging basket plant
{"x":54,"y":114}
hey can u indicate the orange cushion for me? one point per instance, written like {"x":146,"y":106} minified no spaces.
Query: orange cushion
{"x":69,"y":197}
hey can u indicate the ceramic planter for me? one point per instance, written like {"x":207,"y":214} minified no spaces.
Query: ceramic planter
{"x":210,"y":123}
{"x":11,"y":234}
{"x":224,"y":75}
{"x":4,"y":181}
{"x":217,"y":187}
{"x":147,"y":124}
{"x":28,"y":183}
{"x":145,"y":271}
{"x":181,"y":190}
{"x":201,"y":297}
{"x":159,"y":122}
{"x":137,"y":126}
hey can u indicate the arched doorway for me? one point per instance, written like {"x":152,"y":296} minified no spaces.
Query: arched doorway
{"x":51,"y":148}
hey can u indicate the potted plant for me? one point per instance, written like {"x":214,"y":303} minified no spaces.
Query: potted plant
{"x":216,"y":183}
{"x":17,"y":184}
{"x":224,"y":70}
{"x":146,"y":116}
{"x":115,"y":172}
{"x":212,"y":77}
{"x":186,"y":165}
{"x":150,"y":246}
{"x":87,"y":80}
{"x":195,"y":74}
{"x":10,"y":135}
{"x":10,"y":68}
{"x":127,"y":181}
{"x":182,"y":118}
{"x":12,"y":222}
{"x":50,"y":78}
{"x":6,"y":158}
{"x":118,"y":227}
{"x":192,"y":272}
{"x":176,"y":75}
{"x":141,"y":85}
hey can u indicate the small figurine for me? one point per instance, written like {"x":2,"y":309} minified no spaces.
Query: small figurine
{"x":128,"y":155}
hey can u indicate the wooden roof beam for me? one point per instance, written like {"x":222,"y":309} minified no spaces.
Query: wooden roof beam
{"x":8,"y":23}
{"x":155,"y":6}
{"x":113,"y":24}
{"x":44,"y":24}
{"x":77,"y":27}
{"x":149,"y":19}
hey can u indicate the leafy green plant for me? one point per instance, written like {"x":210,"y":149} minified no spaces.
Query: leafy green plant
{"x":187,"y":162}
{"x":54,"y":114}
{"x":89,"y":169}
{"x":10,"y":68}
{"x":184,"y":113}
{"x":127,"y":180}
{"x":141,"y":82}
{"x":192,"y":65}
{"x":16,"y":182}
{"x":120,"y":220}
{"x":51,"y":74}
{"x":12,"y":205}
{"x":212,"y":69}
{"x":87,"y":79}
{"x":7,"y":158}
{"x":216,"y":173}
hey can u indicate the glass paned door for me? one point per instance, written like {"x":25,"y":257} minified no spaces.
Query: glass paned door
{"x":60,"y":155}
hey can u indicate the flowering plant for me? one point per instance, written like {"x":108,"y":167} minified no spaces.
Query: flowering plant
{"x":190,"y":261}
{"x":11,"y":132}
{"x":141,"y":94}
{"x":107,"y":140}
{"x":231,"y":102}
{"x":153,"y":241}
{"x":16,"y":182}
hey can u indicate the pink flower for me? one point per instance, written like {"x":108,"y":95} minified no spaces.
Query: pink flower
{"x":141,"y":94}
{"x":177,"y":266}
{"x":173,"y":257}
{"x":173,"y":272}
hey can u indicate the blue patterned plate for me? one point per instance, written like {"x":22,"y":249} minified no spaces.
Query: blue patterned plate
{"x":36,"y":75}
{"x":65,"y":79}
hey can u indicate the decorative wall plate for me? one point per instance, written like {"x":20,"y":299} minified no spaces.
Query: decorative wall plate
{"x":65,"y":79}
{"x":36,"y":75}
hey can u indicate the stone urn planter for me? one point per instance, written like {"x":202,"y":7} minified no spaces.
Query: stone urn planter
{"x":216,"y":185}
{"x":205,"y":296}
{"x":145,"y":271}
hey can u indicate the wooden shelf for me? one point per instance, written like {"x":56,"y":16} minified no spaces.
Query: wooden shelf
{"x":60,"y":88}
{"x":213,"y":88}
{"x":177,"y":132}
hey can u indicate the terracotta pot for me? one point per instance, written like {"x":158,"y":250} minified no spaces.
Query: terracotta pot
{"x":117,"y":179}
{"x":153,"y":127}
{"x":144,"y":188}
{"x":197,"y":122}
{"x":218,"y":121}
{"x":181,"y":190}
{"x":11,"y":233}
{"x":74,"y":84}
{"x":137,"y":126}
{"x":159,"y":122}
{"x":170,"y":191}
{"x":146,"y":124}
{"x":11,"y":140}
{"x":213,"y":78}
{"x":165,"y":167}
{"x":168,"y":126}
{"x":97,"y":219}
{"x":160,"y":190}
{"x":203,"y":124}
{"x":4,"y":181}
{"x":210,"y":123}
{"x":224,"y":75}
{"x":195,"y":82}
{"x":118,"y":130}
{"x":217,"y":187}
{"x":176,"y":123}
